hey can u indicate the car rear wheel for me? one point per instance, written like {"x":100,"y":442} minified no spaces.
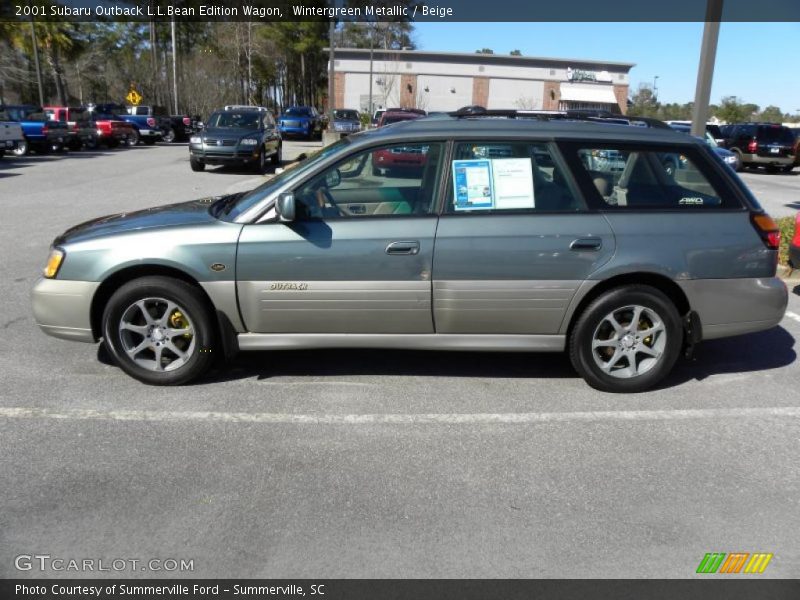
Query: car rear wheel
{"x":261,"y":164}
{"x":277,"y":158}
{"x":169,"y":136}
{"x":90,"y":143}
{"x":21,"y":149}
{"x":627,"y":340}
{"x":159,"y":331}
{"x":197,"y":165}
{"x":787,"y":168}
{"x":133,"y":139}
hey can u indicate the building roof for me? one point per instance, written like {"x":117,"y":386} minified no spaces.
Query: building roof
{"x":477,"y":58}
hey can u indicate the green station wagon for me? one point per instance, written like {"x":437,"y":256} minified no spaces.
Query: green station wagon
{"x":481,"y":234}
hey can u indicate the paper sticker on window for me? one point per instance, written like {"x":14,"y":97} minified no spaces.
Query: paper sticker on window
{"x":512,"y":180}
{"x":472,"y":184}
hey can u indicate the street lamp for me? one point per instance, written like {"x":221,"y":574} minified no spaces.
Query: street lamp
{"x":655,"y":87}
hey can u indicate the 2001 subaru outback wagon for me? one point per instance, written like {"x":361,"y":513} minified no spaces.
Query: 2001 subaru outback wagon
{"x":493,"y":235}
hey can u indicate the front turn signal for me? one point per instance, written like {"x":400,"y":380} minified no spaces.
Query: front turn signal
{"x":53,"y":263}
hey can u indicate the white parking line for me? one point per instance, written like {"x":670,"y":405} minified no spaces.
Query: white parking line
{"x":793,"y":316}
{"x":397,"y":419}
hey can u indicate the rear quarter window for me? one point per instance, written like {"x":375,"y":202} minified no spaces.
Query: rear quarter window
{"x":635,"y":177}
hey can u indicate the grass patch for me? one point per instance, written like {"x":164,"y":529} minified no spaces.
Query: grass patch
{"x":786,"y":225}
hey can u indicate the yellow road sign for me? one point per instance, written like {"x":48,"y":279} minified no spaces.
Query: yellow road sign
{"x":134,"y":97}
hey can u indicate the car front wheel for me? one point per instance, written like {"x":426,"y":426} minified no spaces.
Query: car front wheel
{"x":21,"y":148}
{"x":197,"y":165}
{"x":627,"y":340}
{"x":159,"y":331}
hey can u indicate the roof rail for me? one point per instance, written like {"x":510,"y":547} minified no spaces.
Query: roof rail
{"x":595,"y":115}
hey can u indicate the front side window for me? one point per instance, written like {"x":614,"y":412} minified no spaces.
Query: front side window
{"x":508,"y":176}
{"x":396,"y":180}
{"x":641,"y":178}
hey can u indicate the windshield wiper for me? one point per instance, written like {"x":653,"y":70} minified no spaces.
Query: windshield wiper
{"x":224,"y":205}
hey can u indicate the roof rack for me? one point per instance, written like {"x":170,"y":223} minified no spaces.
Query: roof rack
{"x":598,"y":116}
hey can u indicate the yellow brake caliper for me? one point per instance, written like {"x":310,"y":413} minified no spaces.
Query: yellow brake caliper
{"x":177,"y":321}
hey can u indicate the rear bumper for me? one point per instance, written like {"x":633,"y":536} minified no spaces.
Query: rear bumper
{"x":150,"y":133}
{"x":782,"y":161}
{"x":62,"y":308}
{"x":728,"y":307}
{"x":302,"y":130}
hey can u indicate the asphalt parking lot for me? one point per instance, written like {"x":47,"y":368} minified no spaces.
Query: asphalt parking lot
{"x":375,"y":464}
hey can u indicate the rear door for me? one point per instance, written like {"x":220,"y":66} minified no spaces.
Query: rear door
{"x":515,"y":240}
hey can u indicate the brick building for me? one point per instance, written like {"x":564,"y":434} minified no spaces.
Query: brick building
{"x":445,"y":81}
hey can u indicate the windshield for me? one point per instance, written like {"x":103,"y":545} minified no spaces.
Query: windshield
{"x":253,"y":197}
{"x":234,"y":120}
{"x":297,"y":111}
{"x":345,"y":115}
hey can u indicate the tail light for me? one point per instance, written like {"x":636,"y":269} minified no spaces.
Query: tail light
{"x":187,"y":121}
{"x":45,"y":130}
{"x":151,"y":122}
{"x":767,"y":229}
{"x":752,"y":147}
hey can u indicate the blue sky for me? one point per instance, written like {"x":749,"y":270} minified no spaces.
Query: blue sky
{"x":757,"y":62}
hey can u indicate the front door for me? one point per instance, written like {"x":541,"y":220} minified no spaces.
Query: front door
{"x":514,"y":242}
{"x":358,"y":257}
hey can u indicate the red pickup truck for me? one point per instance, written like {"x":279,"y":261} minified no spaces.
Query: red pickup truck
{"x":81,"y":131}
{"x":112,"y":131}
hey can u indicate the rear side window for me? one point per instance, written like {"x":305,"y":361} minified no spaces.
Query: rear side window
{"x":501,"y":176}
{"x":775,"y":134}
{"x":649,"y":179}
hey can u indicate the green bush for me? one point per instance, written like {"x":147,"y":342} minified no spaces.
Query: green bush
{"x":786,"y":225}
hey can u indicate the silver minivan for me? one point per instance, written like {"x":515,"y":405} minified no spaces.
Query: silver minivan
{"x":482,"y":234}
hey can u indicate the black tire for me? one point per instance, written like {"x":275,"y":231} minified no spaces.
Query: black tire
{"x":169,"y":136}
{"x":593,"y":319}
{"x":197,"y":165}
{"x":201,"y":348}
{"x":772,"y":169}
{"x":21,"y":149}
{"x":2,"y":152}
{"x":787,"y":168}
{"x":277,"y":158}
{"x":261,"y":165}
{"x":90,"y":143}
{"x":133,"y":139}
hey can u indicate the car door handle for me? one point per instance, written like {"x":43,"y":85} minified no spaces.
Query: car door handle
{"x":586,"y":244}
{"x":403,"y":248}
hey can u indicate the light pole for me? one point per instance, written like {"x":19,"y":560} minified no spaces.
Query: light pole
{"x":705,"y":72}
{"x":655,"y":88}
{"x":174,"y":67}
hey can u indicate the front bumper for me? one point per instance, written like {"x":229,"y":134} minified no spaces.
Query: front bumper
{"x":62,"y":308}
{"x":794,"y":256}
{"x":729,"y":307}
{"x":216,"y":155}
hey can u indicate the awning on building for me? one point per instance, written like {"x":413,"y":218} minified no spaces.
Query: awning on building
{"x":586,"y":92}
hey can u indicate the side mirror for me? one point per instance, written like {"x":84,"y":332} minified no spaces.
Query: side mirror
{"x":333,"y":178}
{"x":285,"y":207}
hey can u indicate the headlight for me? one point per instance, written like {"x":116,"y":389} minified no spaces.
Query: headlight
{"x":195,"y":139}
{"x":248,"y":142}
{"x":53,"y":263}
{"x":731,"y":159}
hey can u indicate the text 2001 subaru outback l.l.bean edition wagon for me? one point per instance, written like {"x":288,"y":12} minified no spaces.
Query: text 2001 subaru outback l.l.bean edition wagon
{"x":499,"y":234}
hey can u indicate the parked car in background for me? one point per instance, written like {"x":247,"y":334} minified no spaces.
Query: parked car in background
{"x":768,"y":145}
{"x":174,"y":128}
{"x":395,"y":115}
{"x":794,"y":245}
{"x":625,"y":271}
{"x":300,"y":121}
{"x":113,"y":131}
{"x":729,"y":158}
{"x":81,"y":132}
{"x":796,"y":134}
{"x":10,"y":134}
{"x":376,"y":117}
{"x":147,"y":129}
{"x":346,"y":121}
{"x":712,"y":128}
{"x":244,"y":136}
{"x":39,"y":133}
